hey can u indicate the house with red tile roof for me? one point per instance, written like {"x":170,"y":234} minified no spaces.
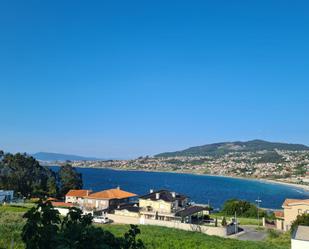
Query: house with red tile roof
{"x":77,"y":196}
{"x":291,"y":209}
{"x":107,"y":199}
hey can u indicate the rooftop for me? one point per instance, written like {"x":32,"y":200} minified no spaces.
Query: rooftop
{"x":112,"y":194}
{"x":190,"y":210}
{"x":78,"y":192}
{"x":131,"y":207}
{"x":279,"y":214}
{"x":301,"y":233}
{"x":61,"y":204}
{"x":164,"y":195}
{"x":291,"y":202}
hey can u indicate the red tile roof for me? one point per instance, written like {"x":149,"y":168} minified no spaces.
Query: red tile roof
{"x":111,"y":194}
{"x":279,"y":214}
{"x":61,"y":204}
{"x":291,"y":202}
{"x":78,"y":193}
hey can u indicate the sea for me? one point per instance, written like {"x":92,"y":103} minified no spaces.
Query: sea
{"x":205,"y":189}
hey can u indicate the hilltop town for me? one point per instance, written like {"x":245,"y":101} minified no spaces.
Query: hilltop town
{"x":289,"y":166}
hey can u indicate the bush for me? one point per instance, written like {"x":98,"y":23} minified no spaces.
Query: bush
{"x":45,"y":229}
{"x":300,"y":220}
{"x":242,"y":208}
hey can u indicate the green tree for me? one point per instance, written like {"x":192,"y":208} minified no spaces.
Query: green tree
{"x":69,"y":178}
{"x":130,"y":241}
{"x":241,"y":208}
{"x":224,"y":222}
{"x":52,"y":188}
{"x":300,"y":220}
{"x":41,"y":228}
{"x":24,"y":175}
{"x":45,"y":230}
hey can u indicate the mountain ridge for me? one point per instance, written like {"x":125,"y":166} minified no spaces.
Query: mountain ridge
{"x":51,"y":156}
{"x":219,"y":149}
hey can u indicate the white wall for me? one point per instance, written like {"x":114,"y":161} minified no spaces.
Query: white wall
{"x":218,"y":231}
{"x":62,"y":211}
{"x":299,"y":244}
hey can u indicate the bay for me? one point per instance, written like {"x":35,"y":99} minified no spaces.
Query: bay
{"x":214,"y":190}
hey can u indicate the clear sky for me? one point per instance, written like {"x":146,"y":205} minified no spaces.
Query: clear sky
{"x":130,"y":78}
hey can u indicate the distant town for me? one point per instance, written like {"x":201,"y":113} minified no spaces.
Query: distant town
{"x":281,"y":165}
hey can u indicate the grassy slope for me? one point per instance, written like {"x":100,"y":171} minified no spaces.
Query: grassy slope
{"x":241,"y":220}
{"x":167,"y":238}
{"x":11,"y":224}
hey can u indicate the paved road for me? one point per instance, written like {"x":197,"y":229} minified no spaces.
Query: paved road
{"x":251,"y":233}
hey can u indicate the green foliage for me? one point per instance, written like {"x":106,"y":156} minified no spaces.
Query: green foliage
{"x":300,"y":220}
{"x":69,"y":179}
{"x":11,"y":224}
{"x":224,"y":222}
{"x":270,"y":157}
{"x":242,"y":208}
{"x":153,"y":237}
{"x":219,"y":149}
{"x":130,"y":240}
{"x":281,"y":240}
{"x":24,"y":175}
{"x":300,"y":169}
{"x":45,"y":230}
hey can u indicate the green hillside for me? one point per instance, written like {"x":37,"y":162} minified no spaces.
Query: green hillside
{"x":219,"y":149}
{"x":154,"y":237}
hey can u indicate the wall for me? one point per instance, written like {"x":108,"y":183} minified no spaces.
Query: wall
{"x":299,"y":244}
{"x":125,"y":212}
{"x":159,"y":205}
{"x":62,"y":211}
{"x":218,"y":231}
{"x":291,"y":212}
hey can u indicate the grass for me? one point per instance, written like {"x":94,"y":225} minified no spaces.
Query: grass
{"x":14,"y":208}
{"x":167,"y":238}
{"x":241,"y":220}
{"x":11,"y":223}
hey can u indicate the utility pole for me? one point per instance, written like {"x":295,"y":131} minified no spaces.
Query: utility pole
{"x":258,"y":201}
{"x":236,"y":230}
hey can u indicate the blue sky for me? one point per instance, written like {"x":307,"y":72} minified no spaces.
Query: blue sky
{"x":130,"y":78}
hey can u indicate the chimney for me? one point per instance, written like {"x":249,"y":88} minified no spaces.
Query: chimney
{"x":157,"y":196}
{"x":151,"y":191}
{"x":174,"y":194}
{"x":118,"y":187}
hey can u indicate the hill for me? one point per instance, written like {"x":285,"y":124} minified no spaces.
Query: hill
{"x":47,"y":156}
{"x":219,"y":149}
{"x":11,"y":224}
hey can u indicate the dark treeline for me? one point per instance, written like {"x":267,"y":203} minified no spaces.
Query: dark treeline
{"x":23,"y":174}
{"x":45,"y":229}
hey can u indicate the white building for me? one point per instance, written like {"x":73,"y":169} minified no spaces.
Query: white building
{"x":300,"y":238}
{"x":6,"y":195}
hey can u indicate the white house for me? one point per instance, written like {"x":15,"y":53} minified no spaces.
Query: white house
{"x":300,"y":238}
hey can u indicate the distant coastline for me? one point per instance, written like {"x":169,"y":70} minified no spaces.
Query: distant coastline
{"x":265,"y":180}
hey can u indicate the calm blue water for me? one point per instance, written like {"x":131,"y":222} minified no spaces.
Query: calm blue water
{"x":199,"y":188}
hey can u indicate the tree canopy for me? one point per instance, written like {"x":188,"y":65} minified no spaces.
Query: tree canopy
{"x":45,"y":230}
{"x":24,"y":175}
{"x":69,"y":178}
{"x":300,"y":220}
{"x":242,"y":208}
